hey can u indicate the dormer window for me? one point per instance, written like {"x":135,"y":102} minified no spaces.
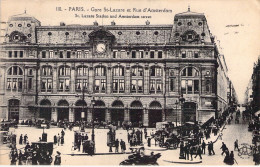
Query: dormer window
{"x":16,"y":37}
{"x":189,"y":36}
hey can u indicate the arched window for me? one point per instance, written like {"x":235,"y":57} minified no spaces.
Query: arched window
{"x":64,"y":79}
{"x":46,"y":79}
{"x":118,"y":79}
{"x":64,"y":71}
{"x":100,"y":79}
{"x":156,"y":80}
{"x":137,"y":79}
{"x":14,"y":79}
{"x":82,"y":79}
{"x":190,"y":81}
{"x":82,"y":71}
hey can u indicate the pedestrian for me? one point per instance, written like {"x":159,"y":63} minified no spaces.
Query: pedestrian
{"x":57,"y":160}
{"x":27,"y":147}
{"x":123,"y":146}
{"x":78,"y":144}
{"x":34,"y":158}
{"x":212,"y":148}
{"x":55,"y":139}
{"x":198,"y":153}
{"x":116,"y":145}
{"x":25,"y":138}
{"x":58,"y":139}
{"x":128,"y":137}
{"x":62,"y":133}
{"x":62,"y":140}
{"x":192,"y":150}
{"x":21,"y":139}
{"x":149,"y":142}
{"x":223,"y":147}
{"x":48,"y":159}
{"x":187,"y":151}
{"x":236,"y":145}
{"x":20,"y":158}
{"x":209,"y":148}
{"x":145,"y":132}
{"x":203,"y":146}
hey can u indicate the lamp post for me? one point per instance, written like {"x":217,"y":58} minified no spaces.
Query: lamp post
{"x":182,"y":101}
{"x":176,"y":103}
{"x":93,"y":131}
{"x":82,"y":111}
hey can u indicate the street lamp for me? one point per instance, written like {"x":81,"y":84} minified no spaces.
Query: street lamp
{"x":93,"y":131}
{"x":182,"y":101}
{"x":176,"y":103}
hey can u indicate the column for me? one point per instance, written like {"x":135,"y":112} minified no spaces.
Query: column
{"x":89,"y":117}
{"x":166,"y":79}
{"x":71,"y":114}
{"x":126,"y":114}
{"x":72,"y":81}
{"x":91,"y":79}
{"x":146,"y":79}
{"x":145,"y":117}
{"x":55,"y":78}
{"x":25,"y":79}
{"x":54,"y":114}
{"x":127,"y":79}
{"x":109,"y":79}
{"x":108,"y":115}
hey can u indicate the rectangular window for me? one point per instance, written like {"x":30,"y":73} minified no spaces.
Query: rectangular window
{"x":141,"y":53}
{"x":140,"y":86}
{"x":97,"y":85}
{"x":189,"y":54}
{"x":183,"y":86}
{"x":68,"y":54}
{"x":152,"y":86}
{"x":189,"y":71}
{"x":15,"y":54}
{"x":43,"y":54}
{"x":196,"y":86}
{"x":10,"y":54}
{"x":50,"y":54}
{"x":158,"y":86}
{"x":114,"y":54}
{"x":158,"y":72}
{"x":196,"y":54}
{"x":30,"y":71}
{"x":133,"y":86}
{"x":43,"y":85}
{"x":79,"y":54}
{"x":78,"y":85}
{"x":86,"y":53}
{"x":61,"y":85}
{"x":67,"y":85}
{"x":115,"y":86}
{"x":85,"y":71}
{"x":171,"y":84}
{"x":189,"y":86}
{"x":61,"y":54}
{"x":103,"y":86}
{"x":21,"y":53}
{"x":160,"y":54}
{"x":29,"y":83}
{"x":123,"y":54}
{"x":121,"y":86}
{"x":14,"y":83}
{"x":133,"y":54}
{"x":85,"y":84}
{"x":152,"y":54}
{"x":49,"y":85}
{"x":183,"y":54}
{"x":153,"y":71}
{"x":9,"y":83}
{"x":79,"y":71}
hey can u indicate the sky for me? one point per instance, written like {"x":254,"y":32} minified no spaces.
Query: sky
{"x":239,"y":44}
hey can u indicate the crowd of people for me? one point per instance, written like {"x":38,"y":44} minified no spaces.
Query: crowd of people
{"x":135,"y":137}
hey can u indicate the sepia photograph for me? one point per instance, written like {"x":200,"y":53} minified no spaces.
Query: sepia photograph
{"x":130,"y":82}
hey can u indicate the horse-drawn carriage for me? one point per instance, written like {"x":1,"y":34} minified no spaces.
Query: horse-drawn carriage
{"x":139,"y":158}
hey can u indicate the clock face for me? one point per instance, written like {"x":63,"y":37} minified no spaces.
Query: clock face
{"x":101,"y":47}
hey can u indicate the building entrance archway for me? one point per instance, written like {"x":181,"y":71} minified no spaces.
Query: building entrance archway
{"x":45,"y":110}
{"x":13,"y":109}
{"x":136,"y":113}
{"x":189,"y":112}
{"x":99,"y":113}
{"x":80,"y":113}
{"x":117,"y":112}
{"x":63,"y":110}
{"x":155,"y":113}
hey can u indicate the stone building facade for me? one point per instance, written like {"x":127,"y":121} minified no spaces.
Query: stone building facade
{"x":113,"y":72}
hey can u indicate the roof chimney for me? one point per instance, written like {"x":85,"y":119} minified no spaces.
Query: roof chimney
{"x":95,"y":23}
{"x":147,"y":22}
{"x":62,"y":24}
{"x":113,"y":23}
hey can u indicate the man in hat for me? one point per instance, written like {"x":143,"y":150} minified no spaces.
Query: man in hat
{"x":57,"y":160}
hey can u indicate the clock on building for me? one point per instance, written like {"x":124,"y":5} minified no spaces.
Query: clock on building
{"x":101,"y":48}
